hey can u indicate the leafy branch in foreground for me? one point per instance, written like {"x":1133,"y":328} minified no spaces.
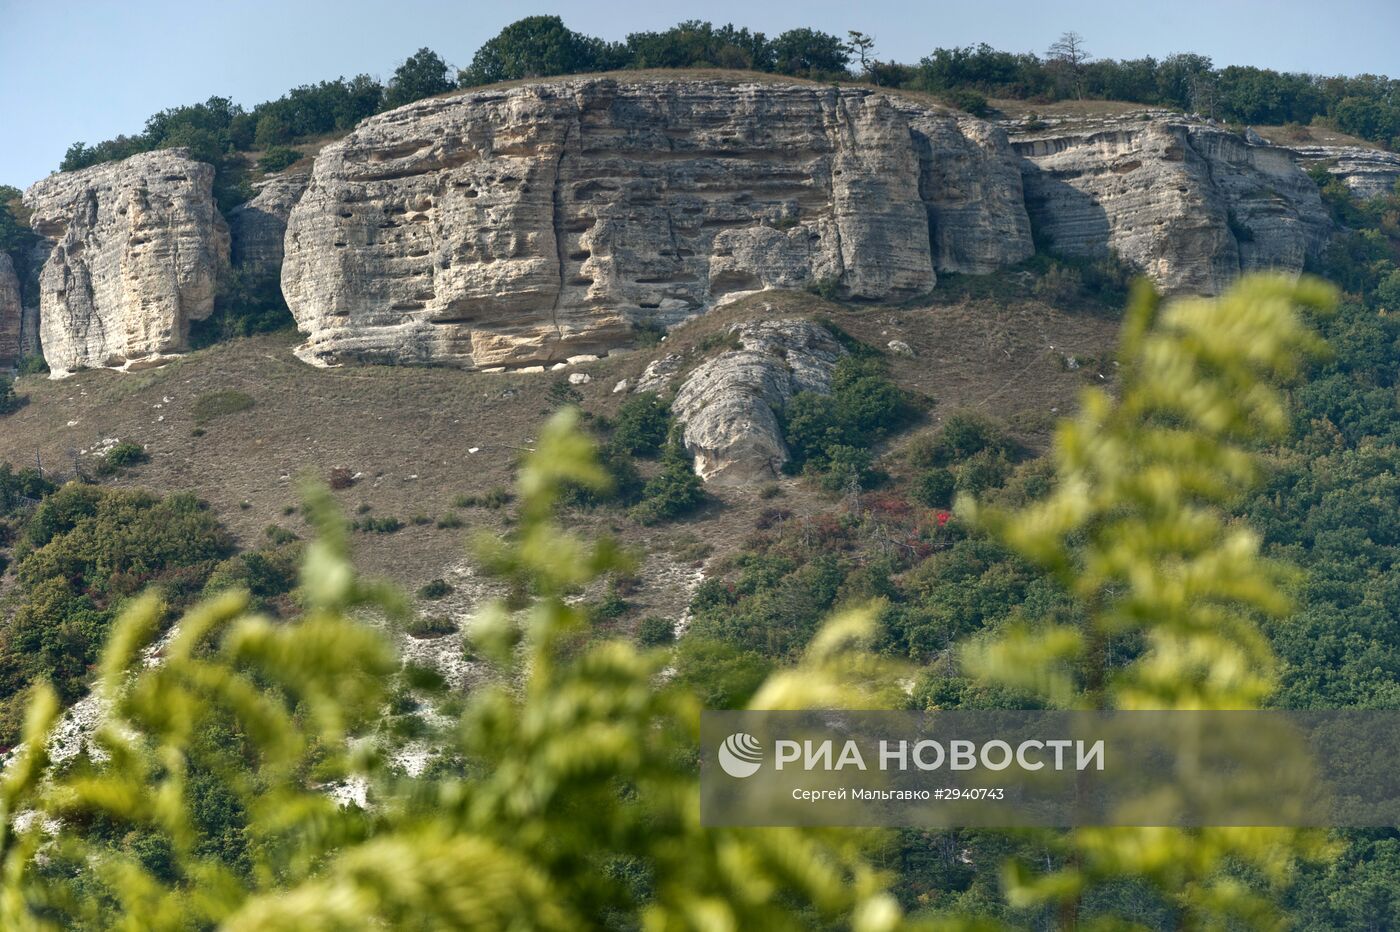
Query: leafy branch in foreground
{"x":571,"y":800}
{"x":1173,"y":590}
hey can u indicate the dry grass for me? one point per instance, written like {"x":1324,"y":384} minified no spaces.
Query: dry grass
{"x":409,"y":432}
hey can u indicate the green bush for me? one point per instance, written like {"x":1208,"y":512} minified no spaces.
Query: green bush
{"x":277,"y":158}
{"x":267,"y":574}
{"x":33,"y":365}
{"x":643,"y":422}
{"x":969,"y":101}
{"x":934,"y":488}
{"x":983,"y":471}
{"x":655,"y":631}
{"x":83,"y":552}
{"x":424,"y":627}
{"x":497,"y":497}
{"x":372,"y":525}
{"x":10,"y":402}
{"x":673,"y":492}
{"x":245,"y":305}
{"x":963,"y":434}
{"x":848,"y":468}
{"x":19,"y":488}
{"x":436,"y":589}
{"x":125,"y":454}
{"x":836,"y":430}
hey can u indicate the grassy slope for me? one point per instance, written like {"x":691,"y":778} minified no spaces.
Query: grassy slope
{"x":409,"y":430}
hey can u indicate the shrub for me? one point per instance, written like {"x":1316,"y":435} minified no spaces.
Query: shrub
{"x":654,"y":631}
{"x":279,"y":535}
{"x":643,"y":422}
{"x":245,"y":305}
{"x":497,"y":497}
{"x":835,"y":431}
{"x":983,"y":471}
{"x":674,"y":491}
{"x":277,"y":158}
{"x":436,"y":589}
{"x":33,"y":365}
{"x":84,"y":550}
{"x":963,"y":434}
{"x":648,"y":332}
{"x":449,"y":521}
{"x":267,"y":574}
{"x":848,"y":468}
{"x":10,"y":402}
{"x":425,"y":628}
{"x":934,"y":488}
{"x":1059,"y":284}
{"x":968,"y":101}
{"x":827,"y":288}
{"x":370,"y":524}
{"x":217,"y":404}
{"x":19,"y":488}
{"x":124,"y":454}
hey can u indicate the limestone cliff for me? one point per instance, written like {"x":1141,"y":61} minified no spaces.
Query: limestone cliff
{"x":11,"y":315}
{"x":259,"y":227}
{"x":521,"y":226}
{"x":1188,"y":204}
{"x":137,"y":249}
{"x":1367,"y":172}
{"x":729,"y":404}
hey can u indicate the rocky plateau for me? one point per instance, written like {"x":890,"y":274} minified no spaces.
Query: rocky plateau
{"x":522,"y":227}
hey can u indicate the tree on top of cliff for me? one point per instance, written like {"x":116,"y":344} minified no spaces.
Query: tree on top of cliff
{"x":537,"y":47}
{"x":422,"y":75}
{"x":810,"y":53}
{"x":1070,"y":55}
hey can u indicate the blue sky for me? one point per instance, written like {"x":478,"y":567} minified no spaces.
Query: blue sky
{"x":90,"y":69}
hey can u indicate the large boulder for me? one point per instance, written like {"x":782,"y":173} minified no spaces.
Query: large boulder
{"x":1188,"y":204}
{"x":729,"y":405}
{"x":137,"y":249}
{"x":521,"y":226}
{"x":11,"y":315}
{"x":259,"y":226}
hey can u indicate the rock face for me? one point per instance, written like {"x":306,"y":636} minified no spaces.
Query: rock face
{"x":729,"y":404}
{"x":259,"y":227}
{"x":1190,"y":205}
{"x":137,"y":250}
{"x":518,"y":227}
{"x":11,"y":315}
{"x":1367,"y":172}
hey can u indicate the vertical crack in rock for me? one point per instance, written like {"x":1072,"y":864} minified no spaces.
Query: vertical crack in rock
{"x":557,"y":216}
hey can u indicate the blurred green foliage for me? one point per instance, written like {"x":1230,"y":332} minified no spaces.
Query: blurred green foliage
{"x":573,"y":801}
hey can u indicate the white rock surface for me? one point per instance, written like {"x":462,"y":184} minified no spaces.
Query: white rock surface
{"x":729,"y":404}
{"x":525,"y":225}
{"x":1367,"y":172}
{"x":258,"y":228}
{"x":137,"y":250}
{"x":1190,"y":205}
